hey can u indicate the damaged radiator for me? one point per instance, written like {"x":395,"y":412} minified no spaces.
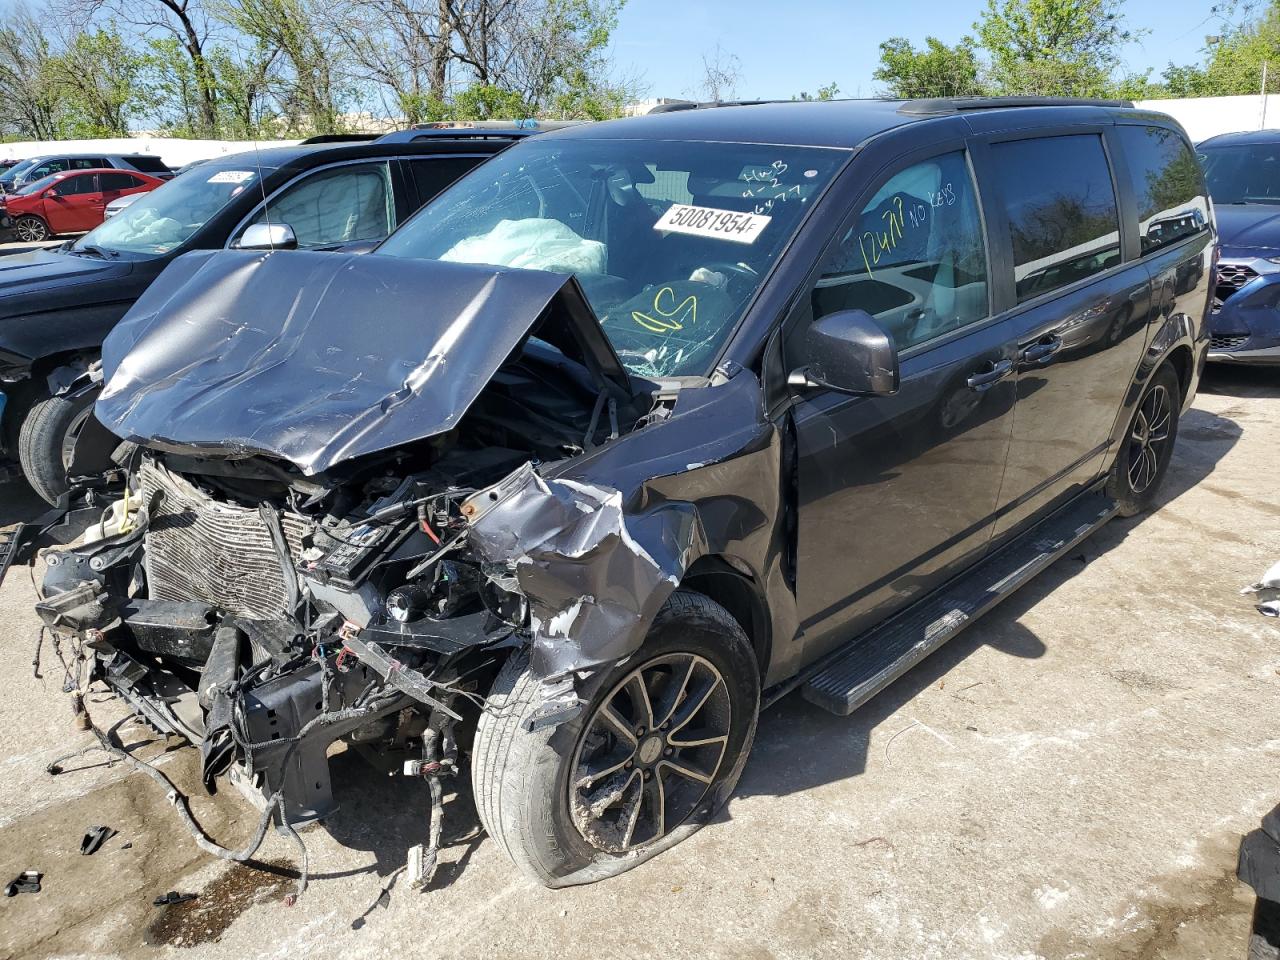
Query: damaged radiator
{"x":199,"y":548}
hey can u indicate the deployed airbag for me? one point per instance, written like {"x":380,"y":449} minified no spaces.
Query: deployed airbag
{"x":533,"y":244}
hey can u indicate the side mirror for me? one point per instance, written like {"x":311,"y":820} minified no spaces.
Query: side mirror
{"x":849,"y":352}
{"x":267,"y":236}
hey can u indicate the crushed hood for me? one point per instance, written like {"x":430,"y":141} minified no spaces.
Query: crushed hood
{"x":316,"y":358}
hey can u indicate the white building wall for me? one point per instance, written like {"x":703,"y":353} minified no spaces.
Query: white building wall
{"x":1205,"y":117}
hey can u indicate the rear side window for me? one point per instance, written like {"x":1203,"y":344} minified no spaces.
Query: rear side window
{"x":148,"y":164}
{"x":1061,"y":204}
{"x":1168,"y":184}
{"x":118,"y":181}
{"x":87,"y":163}
{"x":915,"y":257}
{"x":432,"y":176}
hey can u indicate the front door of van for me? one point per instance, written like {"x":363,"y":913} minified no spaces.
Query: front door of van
{"x":898,"y":493}
{"x":1080,"y":313}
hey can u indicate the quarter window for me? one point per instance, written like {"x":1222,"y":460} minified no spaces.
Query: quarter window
{"x":336,"y":206}
{"x":1061,"y":205}
{"x":1168,"y":184}
{"x":915,"y":258}
{"x":432,"y":176}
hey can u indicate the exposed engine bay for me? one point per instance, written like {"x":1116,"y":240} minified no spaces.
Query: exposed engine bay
{"x":263,"y":614}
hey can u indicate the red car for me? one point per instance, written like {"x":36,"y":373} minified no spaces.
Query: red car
{"x":73,"y":201}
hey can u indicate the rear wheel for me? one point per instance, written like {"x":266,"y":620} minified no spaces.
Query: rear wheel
{"x":30,"y":229}
{"x":1147,"y":445}
{"x":48,"y":438}
{"x":657,"y":752}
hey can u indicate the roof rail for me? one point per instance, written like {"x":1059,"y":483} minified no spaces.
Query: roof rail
{"x":938,"y":105}
{"x":340,"y":138}
{"x":708,"y":104}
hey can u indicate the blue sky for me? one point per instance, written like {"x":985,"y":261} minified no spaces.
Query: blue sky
{"x":786,"y":46}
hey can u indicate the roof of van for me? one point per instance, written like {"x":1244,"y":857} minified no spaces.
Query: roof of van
{"x":825,"y":123}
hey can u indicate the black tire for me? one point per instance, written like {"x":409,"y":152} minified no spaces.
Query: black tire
{"x":521,"y":778}
{"x":31,"y":229}
{"x":1264,"y":937}
{"x":1140,"y":466}
{"x":44,"y":441}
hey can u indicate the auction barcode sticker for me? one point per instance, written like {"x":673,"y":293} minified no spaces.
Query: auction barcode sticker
{"x":710,"y":222}
{"x":231,"y":176}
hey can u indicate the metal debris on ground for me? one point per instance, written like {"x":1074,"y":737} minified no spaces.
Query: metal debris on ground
{"x":171,"y":898}
{"x":94,"y":838}
{"x":28,"y":881}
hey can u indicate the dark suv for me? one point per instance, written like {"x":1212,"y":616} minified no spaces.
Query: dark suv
{"x":56,"y":305}
{"x":1243,"y":173}
{"x":627,"y":434}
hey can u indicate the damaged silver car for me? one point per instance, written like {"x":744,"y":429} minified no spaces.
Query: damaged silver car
{"x":633,"y":430}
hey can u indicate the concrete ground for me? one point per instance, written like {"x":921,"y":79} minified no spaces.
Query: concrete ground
{"x":1069,"y":778}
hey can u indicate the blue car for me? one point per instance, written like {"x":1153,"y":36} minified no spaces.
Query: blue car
{"x":1243,"y":173}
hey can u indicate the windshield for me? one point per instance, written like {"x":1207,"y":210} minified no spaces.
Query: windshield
{"x":1243,"y":173}
{"x":669,"y":240}
{"x":22,"y":166}
{"x":167,"y":216}
{"x":35,"y":186}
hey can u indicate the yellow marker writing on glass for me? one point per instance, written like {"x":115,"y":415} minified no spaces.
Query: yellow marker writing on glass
{"x":668,"y":320}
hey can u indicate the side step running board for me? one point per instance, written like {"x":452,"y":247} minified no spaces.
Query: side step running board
{"x":855,"y":673}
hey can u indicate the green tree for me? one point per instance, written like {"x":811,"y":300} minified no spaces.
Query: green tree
{"x":935,"y":71}
{"x":99,"y":79}
{"x":186,"y":22}
{"x":1233,"y":64}
{"x":31,"y":107}
{"x":314,"y":91}
{"x":1053,"y":47}
{"x":829,"y":92}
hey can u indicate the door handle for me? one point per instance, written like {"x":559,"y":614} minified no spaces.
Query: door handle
{"x":986,"y":379}
{"x":1043,"y":349}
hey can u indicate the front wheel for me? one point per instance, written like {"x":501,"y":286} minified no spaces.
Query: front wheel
{"x":30,"y":229}
{"x":657,"y":752}
{"x":47,"y":441}
{"x":1147,"y":446}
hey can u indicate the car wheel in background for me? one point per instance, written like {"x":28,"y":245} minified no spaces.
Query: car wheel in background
{"x":1147,"y":445}
{"x":47,"y":439}
{"x":649,"y":761}
{"x":30,"y":229}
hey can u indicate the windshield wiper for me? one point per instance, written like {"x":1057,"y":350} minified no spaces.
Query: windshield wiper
{"x":101,"y":253}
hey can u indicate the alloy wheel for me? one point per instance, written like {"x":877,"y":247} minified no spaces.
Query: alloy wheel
{"x":30,"y":230}
{"x":650,"y":752}
{"x":1148,"y":438}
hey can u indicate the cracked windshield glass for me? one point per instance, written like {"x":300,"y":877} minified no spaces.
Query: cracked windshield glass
{"x":669,"y":240}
